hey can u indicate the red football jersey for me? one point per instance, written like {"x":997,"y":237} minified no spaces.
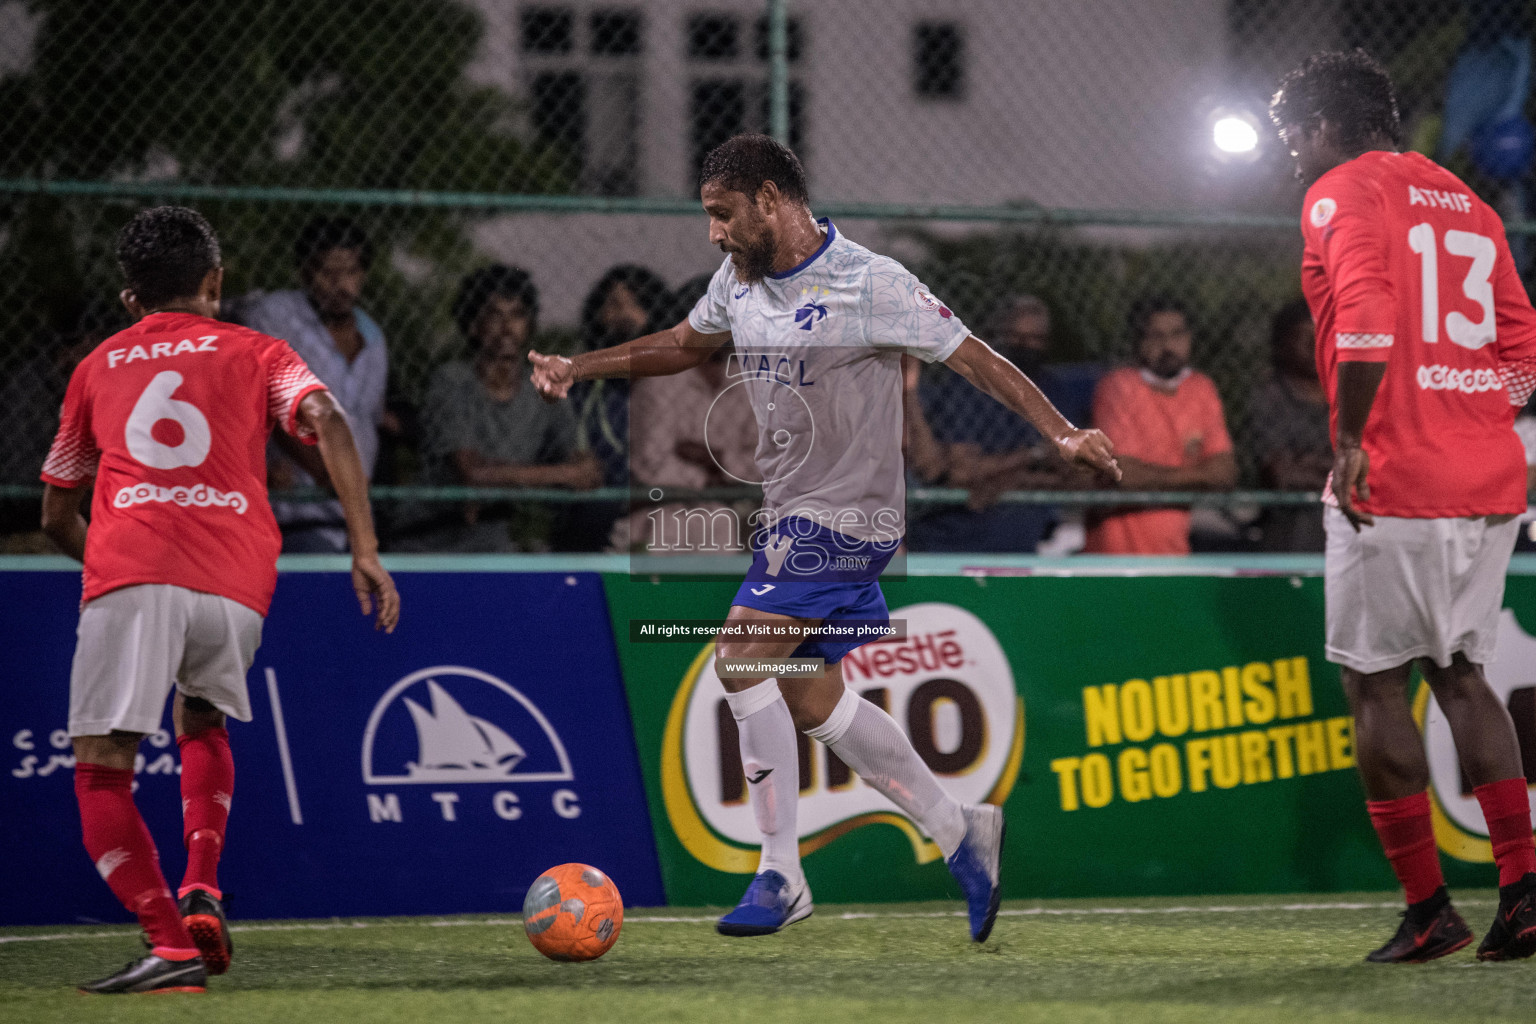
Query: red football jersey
{"x":172,"y":417}
{"x":1405,"y":265}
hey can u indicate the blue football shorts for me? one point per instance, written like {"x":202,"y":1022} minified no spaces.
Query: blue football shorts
{"x":809,"y":571}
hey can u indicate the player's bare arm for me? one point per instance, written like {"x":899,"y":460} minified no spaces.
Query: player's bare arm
{"x":303,"y":455}
{"x":1357,"y":384}
{"x":62,"y":521}
{"x":320,"y":413}
{"x":978,"y":363}
{"x":661,"y":354}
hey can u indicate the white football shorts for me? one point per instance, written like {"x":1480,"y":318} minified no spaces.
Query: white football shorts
{"x":136,"y":643}
{"x":1414,"y":588}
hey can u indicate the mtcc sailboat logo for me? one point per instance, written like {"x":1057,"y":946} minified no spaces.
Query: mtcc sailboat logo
{"x":455,"y":725}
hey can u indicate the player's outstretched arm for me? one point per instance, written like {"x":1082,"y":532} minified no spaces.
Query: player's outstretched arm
{"x":320,"y":413}
{"x":62,"y":521}
{"x":978,"y":363}
{"x":1356,"y":393}
{"x":655,"y":355}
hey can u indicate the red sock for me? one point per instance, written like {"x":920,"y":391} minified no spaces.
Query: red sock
{"x":207,"y":781}
{"x":120,"y":845}
{"x":1507,"y":809}
{"x":1408,"y":837}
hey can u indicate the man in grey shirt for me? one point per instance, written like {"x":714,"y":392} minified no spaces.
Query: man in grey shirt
{"x":485,"y":425}
{"x":344,"y":347}
{"x":820,"y":324}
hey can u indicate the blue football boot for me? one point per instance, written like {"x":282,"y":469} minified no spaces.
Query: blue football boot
{"x":771,"y":903}
{"x":977,"y":866}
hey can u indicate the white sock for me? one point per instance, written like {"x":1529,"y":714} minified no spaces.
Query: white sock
{"x":871,"y":743}
{"x":769,"y":755}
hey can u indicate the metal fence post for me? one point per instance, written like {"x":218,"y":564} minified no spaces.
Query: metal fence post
{"x":778,"y":70}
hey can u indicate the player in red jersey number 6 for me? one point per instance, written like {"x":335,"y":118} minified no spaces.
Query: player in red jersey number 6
{"x":1426,"y":345}
{"x":168,"y":421}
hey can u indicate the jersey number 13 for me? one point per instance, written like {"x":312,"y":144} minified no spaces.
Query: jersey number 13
{"x":1478,"y":285}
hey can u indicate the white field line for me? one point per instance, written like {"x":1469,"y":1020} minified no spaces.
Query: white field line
{"x":510,"y":922}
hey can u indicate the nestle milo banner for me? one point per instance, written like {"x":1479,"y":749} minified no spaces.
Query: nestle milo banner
{"x":1145,"y":734}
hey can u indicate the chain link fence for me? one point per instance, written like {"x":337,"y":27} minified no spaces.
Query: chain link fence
{"x":1059,"y":149}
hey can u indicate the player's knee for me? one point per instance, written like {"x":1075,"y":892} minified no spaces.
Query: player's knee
{"x":116,"y":750}
{"x":1374,"y":688}
{"x":726,"y":651}
{"x":806,"y":714}
{"x":1460,"y":681}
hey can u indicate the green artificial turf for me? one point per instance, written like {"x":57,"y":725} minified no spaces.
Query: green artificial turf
{"x":1272,"y":959}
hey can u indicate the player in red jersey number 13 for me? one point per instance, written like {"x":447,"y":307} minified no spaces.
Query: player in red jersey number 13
{"x":167,"y":422}
{"x":1426,"y":345}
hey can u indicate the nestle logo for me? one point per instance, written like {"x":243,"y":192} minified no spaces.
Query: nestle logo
{"x":926,"y":653}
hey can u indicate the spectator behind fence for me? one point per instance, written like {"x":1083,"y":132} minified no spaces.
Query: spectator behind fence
{"x":1288,"y":425}
{"x":983,"y":447}
{"x":670,"y":448}
{"x":30,"y":399}
{"x":344,"y":347}
{"x":485,"y":425}
{"x":1170,"y":434}
{"x":628,"y":301}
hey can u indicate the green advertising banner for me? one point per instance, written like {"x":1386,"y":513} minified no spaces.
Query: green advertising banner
{"x":1146,"y":735}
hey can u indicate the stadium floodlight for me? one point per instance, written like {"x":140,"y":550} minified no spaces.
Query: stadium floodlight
{"x":1235,"y":134}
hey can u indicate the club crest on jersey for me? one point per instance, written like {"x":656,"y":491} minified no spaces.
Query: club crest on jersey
{"x":926,"y":300}
{"x":1323,"y":211}
{"x":813,"y":312}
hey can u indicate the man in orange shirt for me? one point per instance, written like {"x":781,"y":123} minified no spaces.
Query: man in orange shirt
{"x":1169,"y":432}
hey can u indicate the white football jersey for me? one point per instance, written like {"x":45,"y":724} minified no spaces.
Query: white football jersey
{"x":818,"y":350}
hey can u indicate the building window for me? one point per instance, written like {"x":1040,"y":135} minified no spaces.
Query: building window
{"x":615,"y":33}
{"x":713,"y":37}
{"x":583,"y":87}
{"x":718,"y":110}
{"x":731,"y":94}
{"x":559,"y":110}
{"x":791,"y":33}
{"x":548,"y":30}
{"x":938,"y":60}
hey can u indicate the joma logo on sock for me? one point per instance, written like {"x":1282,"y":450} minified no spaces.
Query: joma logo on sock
{"x":947,"y":684}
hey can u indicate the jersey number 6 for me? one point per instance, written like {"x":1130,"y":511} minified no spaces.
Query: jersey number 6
{"x":1478,"y":286}
{"x":156,"y":405}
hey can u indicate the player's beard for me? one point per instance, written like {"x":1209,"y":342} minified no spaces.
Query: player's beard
{"x":753,"y":261}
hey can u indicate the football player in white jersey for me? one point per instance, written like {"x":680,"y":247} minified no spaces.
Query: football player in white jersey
{"x":819,"y":325}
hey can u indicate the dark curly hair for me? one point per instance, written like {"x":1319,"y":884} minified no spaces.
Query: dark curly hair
{"x":1287,"y":318}
{"x":165,"y":252}
{"x":478,"y":287}
{"x":743,"y":163}
{"x":1144,"y":309}
{"x":645,"y":285}
{"x":322,"y":234}
{"x":1348,"y":88}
